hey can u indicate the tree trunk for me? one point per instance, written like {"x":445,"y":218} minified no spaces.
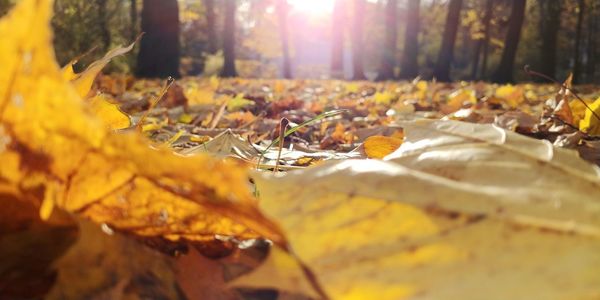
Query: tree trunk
{"x":357,"y":40}
{"x":476,"y":57}
{"x":577,"y":56}
{"x":409,"y":67}
{"x":103,"y":24}
{"x":442,"y":67}
{"x":504,"y":73}
{"x":159,"y":48}
{"x":133,"y":17}
{"x":549,"y":26}
{"x":229,"y":40}
{"x":388,"y":60}
{"x":489,"y":11}
{"x":282,"y":9}
{"x":211,"y":25}
{"x":337,"y":40}
{"x":590,"y":69}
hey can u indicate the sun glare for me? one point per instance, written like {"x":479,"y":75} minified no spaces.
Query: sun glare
{"x":313,"y":7}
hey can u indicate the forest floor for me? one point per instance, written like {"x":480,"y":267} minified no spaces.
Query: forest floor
{"x":196,"y":110}
{"x":113,"y":187}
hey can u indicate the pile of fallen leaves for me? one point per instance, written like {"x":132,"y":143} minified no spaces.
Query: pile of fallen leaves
{"x":237,"y":189}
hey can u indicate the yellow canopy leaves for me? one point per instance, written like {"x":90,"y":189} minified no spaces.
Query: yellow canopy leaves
{"x":55,"y":151}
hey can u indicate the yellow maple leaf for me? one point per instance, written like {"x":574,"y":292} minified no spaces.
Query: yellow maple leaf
{"x":513,"y":96}
{"x":108,"y":112}
{"x":590,"y":123}
{"x":56,"y":153}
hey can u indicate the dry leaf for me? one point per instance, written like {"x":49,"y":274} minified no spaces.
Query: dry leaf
{"x":590,"y":122}
{"x":459,"y":210}
{"x":380,"y":146}
{"x":56,"y":153}
{"x":84,"y":80}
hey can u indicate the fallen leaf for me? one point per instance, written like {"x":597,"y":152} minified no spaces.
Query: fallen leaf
{"x":513,"y":96}
{"x":84,"y":80}
{"x":590,"y":123}
{"x":58,"y":154}
{"x":109,"y":113}
{"x":380,"y":146}
{"x":457,"y":211}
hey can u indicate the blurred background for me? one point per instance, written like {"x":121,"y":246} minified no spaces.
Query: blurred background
{"x":489,"y":40}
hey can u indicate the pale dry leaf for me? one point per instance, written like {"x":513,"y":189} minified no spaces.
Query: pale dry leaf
{"x":431,"y":224}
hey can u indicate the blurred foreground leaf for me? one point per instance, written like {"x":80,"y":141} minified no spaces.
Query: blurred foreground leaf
{"x":460,"y":211}
{"x":55,"y":152}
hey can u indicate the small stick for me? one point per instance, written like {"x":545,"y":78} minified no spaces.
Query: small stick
{"x":153,"y":104}
{"x":282,"y":127}
{"x":215,"y":121}
{"x":564,"y":86}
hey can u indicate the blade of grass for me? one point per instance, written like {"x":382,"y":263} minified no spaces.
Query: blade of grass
{"x":298,"y":127}
{"x":282,"y":128}
{"x":153,"y":104}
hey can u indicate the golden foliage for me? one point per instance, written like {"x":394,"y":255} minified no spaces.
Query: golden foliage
{"x":590,"y":123}
{"x":56,"y":152}
{"x":380,"y":146}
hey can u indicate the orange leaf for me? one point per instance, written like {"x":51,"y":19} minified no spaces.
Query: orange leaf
{"x":380,"y":146}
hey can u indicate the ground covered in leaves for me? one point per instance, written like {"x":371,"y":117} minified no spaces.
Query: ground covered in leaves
{"x":196,"y":110}
{"x":203,"y":188}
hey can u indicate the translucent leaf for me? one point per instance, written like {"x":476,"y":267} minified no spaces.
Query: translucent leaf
{"x":84,"y":80}
{"x":444,"y":219}
{"x":59,"y":154}
{"x":109,"y":113}
{"x":380,"y":146}
{"x":590,"y":123}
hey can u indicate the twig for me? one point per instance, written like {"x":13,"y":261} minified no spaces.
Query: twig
{"x":153,"y":104}
{"x":296,"y":128}
{"x":564,"y":86}
{"x":283,"y":124}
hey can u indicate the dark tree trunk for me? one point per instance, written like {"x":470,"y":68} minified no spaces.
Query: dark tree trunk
{"x":357,"y":40}
{"x":229,"y":40}
{"x":590,"y":69}
{"x":159,"y":48}
{"x":578,"y":34}
{"x":282,"y":9}
{"x":388,"y":60}
{"x":487,"y":24}
{"x":337,"y":40}
{"x":211,"y":25}
{"x":409,"y":67}
{"x":442,"y":67}
{"x":479,"y":44}
{"x":504,"y":73}
{"x":549,"y":26}
{"x":103,"y":24}
{"x":133,"y":17}
{"x":476,"y":56}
